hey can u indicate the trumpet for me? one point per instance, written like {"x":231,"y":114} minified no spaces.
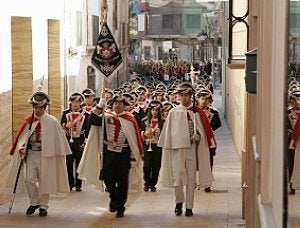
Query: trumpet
{"x":154,"y":132}
{"x":71,"y":135}
{"x":149,"y":139}
{"x":150,"y":148}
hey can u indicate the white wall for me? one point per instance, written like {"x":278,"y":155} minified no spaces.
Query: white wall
{"x":235,"y":105}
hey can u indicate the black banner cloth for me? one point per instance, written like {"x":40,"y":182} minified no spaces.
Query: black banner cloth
{"x":106,"y":56}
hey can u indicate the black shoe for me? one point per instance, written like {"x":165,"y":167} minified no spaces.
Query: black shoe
{"x":178,"y":209}
{"x":146,"y":188}
{"x":188,"y":212}
{"x":78,"y":189}
{"x":153,"y":189}
{"x":207,"y":189}
{"x":292,"y":191}
{"x":31,"y":209}
{"x":120,"y":213}
{"x":112,"y":207}
{"x":43,"y":212}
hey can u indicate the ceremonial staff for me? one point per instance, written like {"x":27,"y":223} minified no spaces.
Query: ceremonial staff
{"x":23,"y":158}
{"x":106,"y":58}
{"x":193,"y":79}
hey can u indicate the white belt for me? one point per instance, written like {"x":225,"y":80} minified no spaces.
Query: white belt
{"x":114,"y":144}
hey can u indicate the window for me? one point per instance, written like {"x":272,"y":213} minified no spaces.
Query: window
{"x":115,"y":15}
{"x":167,"y":21}
{"x":193,"y":21}
{"x":147,"y":52}
{"x":95,"y":29}
{"x":171,"y":21}
{"x":160,"y":53}
{"x":78,"y":27}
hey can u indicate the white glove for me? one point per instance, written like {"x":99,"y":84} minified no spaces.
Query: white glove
{"x":99,"y":107}
{"x":102,"y":103}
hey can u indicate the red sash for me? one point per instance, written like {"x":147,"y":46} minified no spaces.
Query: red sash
{"x":25,"y":121}
{"x":129,"y":117}
{"x":296,"y":131}
{"x":207,"y":128}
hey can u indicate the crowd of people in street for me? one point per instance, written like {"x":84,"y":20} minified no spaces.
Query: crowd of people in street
{"x":134,"y":137}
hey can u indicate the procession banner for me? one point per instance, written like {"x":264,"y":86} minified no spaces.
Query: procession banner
{"x":106,"y":56}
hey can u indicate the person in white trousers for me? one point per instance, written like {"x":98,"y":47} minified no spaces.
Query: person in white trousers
{"x":44,"y":147}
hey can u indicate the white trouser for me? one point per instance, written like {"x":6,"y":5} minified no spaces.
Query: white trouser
{"x":33,"y":180}
{"x":186,"y":163}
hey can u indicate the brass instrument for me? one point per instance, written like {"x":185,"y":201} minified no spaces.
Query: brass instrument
{"x":73,"y":118}
{"x":154,"y":134}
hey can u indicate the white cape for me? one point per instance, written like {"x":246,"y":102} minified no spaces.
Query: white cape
{"x":91,"y":161}
{"x":172,"y":138}
{"x":55,"y":147}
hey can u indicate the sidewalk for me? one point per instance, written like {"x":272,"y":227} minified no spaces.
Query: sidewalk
{"x":220,"y":208}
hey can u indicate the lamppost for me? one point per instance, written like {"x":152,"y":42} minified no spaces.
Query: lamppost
{"x":204,"y":37}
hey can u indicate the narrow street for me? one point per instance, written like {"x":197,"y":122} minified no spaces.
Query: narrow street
{"x":222,"y":207}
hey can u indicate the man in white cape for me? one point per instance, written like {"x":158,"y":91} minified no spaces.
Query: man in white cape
{"x":185,"y":149}
{"x":45,"y":147}
{"x":113,"y":153}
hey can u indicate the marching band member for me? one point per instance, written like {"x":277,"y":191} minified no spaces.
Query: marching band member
{"x":89,"y":100}
{"x":294,"y":141}
{"x":121,"y":138}
{"x":75,"y":123}
{"x":141,"y":91}
{"x":152,"y":125}
{"x":185,"y":148}
{"x":204,"y":98}
{"x":45,"y":156}
{"x":167,"y":106}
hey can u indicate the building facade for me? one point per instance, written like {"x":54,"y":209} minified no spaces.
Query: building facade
{"x":47,"y":46}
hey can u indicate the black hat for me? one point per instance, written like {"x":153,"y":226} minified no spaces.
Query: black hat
{"x":109,"y":103}
{"x":88,"y":92}
{"x":135,"y":94}
{"x":126,"y":85}
{"x":123,"y":90}
{"x":120,"y":98}
{"x":171,"y":91}
{"x":129,"y":98}
{"x":107,"y":90}
{"x":117,"y":91}
{"x":134,"y":80}
{"x":161,"y":86}
{"x":295,"y":93}
{"x":39,"y":99}
{"x":185,"y":88}
{"x":167,"y":106}
{"x":76,"y":96}
{"x":155,"y":104}
{"x":158,"y":93}
{"x":141,"y":89}
{"x":204,"y":93}
{"x":149,"y":85}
